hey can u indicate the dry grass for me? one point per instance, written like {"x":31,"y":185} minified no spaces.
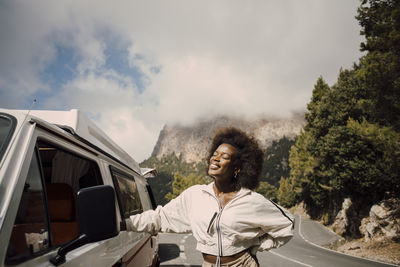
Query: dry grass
{"x":383,"y":251}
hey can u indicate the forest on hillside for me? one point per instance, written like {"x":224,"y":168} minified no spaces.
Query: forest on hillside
{"x":350,"y":145}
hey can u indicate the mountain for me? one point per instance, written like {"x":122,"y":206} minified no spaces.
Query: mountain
{"x":182,"y":149}
{"x":190,"y":143}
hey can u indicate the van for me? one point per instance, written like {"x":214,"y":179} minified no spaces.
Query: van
{"x":65,"y":187}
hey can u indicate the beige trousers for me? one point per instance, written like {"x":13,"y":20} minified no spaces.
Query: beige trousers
{"x":246,"y":260}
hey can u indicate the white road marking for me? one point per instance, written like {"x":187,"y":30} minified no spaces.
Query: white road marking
{"x":290,"y":259}
{"x":182,"y":254}
{"x":182,"y":247}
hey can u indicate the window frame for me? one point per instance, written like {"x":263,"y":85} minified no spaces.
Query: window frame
{"x":121,"y":206}
{"x":50,"y":246}
{"x":4,"y":145}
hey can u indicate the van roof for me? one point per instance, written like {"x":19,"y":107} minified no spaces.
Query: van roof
{"x":82,"y":126}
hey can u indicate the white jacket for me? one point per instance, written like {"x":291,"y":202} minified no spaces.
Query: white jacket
{"x":249,"y":220}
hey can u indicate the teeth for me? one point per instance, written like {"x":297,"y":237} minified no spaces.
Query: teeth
{"x":214,"y":166}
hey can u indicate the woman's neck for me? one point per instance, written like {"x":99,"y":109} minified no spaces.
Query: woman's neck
{"x":220,"y":187}
{"x":225,"y":193}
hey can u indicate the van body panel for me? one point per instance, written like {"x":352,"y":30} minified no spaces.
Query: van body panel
{"x":102,"y":253}
{"x":135,"y":256}
{"x":39,"y":139}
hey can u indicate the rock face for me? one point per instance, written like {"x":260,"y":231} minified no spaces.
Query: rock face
{"x":341,"y":222}
{"x":383,"y":221}
{"x":191,"y":142}
{"x":346,"y":221}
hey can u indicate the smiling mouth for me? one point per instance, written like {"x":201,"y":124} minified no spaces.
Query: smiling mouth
{"x":214,"y":166}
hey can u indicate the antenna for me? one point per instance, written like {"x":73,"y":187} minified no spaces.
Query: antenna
{"x":30,"y":108}
{"x":27,"y":114}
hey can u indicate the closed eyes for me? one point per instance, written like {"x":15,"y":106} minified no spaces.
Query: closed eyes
{"x":224,"y":155}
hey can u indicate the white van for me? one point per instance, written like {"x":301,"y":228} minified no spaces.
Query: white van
{"x":64,"y":189}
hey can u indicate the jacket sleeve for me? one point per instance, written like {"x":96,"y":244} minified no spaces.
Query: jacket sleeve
{"x":277,"y":226}
{"x":173,"y":217}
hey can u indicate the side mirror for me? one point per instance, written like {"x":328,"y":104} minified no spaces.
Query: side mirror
{"x":97,"y":219}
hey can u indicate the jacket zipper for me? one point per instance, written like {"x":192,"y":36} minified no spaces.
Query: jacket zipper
{"x":217,"y":226}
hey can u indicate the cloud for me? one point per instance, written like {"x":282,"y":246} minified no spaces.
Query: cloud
{"x":135,"y":65}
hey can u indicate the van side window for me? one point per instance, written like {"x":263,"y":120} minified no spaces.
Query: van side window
{"x":64,"y":174}
{"x":127,"y":193}
{"x":61,"y":166}
{"x":30,"y":232}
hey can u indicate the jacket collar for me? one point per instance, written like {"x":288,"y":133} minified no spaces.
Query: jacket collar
{"x":210,"y":190}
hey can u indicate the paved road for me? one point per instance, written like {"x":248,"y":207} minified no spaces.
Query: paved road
{"x":303,"y":250}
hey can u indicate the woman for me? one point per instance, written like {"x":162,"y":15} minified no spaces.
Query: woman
{"x":228,"y":219}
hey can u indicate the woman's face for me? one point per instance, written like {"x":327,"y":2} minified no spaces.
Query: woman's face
{"x":221,"y":166}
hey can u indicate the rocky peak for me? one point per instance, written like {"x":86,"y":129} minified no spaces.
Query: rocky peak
{"x":191,"y":142}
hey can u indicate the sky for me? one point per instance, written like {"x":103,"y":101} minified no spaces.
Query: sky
{"x":134,"y":66}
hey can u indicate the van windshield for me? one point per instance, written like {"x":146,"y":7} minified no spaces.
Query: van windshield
{"x":7,"y":127}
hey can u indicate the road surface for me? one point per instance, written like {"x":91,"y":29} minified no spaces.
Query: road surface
{"x":304,"y":250}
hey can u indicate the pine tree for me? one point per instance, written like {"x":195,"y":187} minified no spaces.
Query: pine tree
{"x":380,"y":22}
{"x":267,"y":190}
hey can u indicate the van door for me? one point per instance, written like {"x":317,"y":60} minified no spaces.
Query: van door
{"x":46,"y":216}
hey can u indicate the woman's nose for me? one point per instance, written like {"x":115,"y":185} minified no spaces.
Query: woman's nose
{"x":215,"y":157}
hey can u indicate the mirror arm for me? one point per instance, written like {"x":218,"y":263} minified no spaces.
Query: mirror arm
{"x":77,"y":242}
{"x":122,"y":225}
